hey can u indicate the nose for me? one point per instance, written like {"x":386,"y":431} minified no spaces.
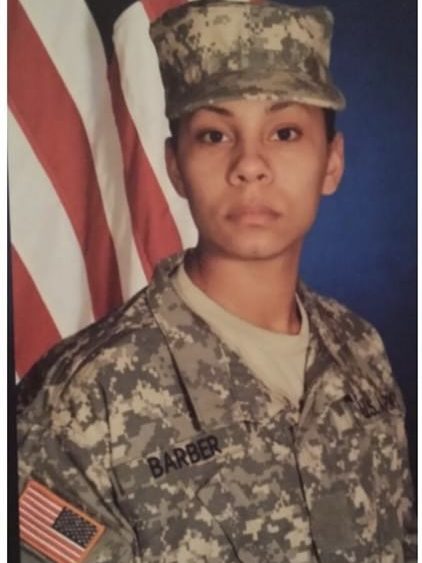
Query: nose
{"x":249,"y":166}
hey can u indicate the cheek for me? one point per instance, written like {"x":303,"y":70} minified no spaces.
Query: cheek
{"x":203,"y":186}
{"x":202,"y":197}
{"x":302,"y":177}
{"x":301,"y":191}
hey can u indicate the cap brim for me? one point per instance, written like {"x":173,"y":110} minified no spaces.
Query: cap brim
{"x":278,"y":86}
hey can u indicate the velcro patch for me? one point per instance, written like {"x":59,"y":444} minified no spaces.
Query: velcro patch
{"x":55,"y":528}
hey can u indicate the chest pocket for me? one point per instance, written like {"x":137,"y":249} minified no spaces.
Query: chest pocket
{"x":389,"y":467}
{"x":159,"y":493}
{"x":381,"y":435}
{"x":238,"y":500}
{"x":351,"y":464}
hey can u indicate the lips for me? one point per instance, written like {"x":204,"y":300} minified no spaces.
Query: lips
{"x":253,"y":214}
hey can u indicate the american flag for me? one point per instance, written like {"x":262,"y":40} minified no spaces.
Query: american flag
{"x":91,"y":207}
{"x":55,"y":528}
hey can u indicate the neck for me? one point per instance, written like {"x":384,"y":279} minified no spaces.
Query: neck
{"x":261,"y":292}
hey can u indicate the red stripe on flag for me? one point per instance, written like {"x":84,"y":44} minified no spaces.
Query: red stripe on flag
{"x":154,"y":229}
{"x":155,"y":8}
{"x":34,"y":328}
{"x":52,"y":124}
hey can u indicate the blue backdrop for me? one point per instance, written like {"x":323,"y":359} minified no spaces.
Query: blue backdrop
{"x":362,"y":250}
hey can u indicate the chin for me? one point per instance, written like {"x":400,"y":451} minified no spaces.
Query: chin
{"x":254,"y":251}
{"x":251,"y":245}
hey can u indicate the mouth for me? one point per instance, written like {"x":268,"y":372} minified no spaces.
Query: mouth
{"x":253,"y":215}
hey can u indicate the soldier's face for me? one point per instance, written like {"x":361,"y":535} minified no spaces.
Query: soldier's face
{"x":253,"y":173}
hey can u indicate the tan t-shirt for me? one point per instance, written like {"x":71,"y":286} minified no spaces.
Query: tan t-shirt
{"x":278,"y":360}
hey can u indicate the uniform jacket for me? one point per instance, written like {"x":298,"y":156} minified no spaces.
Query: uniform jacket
{"x":149,"y":423}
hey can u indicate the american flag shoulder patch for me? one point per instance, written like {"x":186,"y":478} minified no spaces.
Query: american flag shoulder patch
{"x":55,"y":528}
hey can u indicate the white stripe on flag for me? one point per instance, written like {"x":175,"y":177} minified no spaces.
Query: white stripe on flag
{"x":144,"y":98}
{"x":72,"y":40}
{"x":37,"y":221}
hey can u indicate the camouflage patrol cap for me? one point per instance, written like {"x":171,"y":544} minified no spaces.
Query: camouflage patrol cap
{"x":216,"y":50}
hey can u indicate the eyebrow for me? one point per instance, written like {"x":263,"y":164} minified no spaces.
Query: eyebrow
{"x":216,"y":109}
{"x":279,"y":106}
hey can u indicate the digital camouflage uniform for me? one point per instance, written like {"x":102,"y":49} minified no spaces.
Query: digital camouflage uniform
{"x":149,"y":423}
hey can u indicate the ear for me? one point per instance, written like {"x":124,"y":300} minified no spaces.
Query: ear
{"x":335,"y":165}
{"x":172,"y":166}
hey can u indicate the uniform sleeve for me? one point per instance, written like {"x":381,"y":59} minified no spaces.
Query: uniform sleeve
{"x":407,"y":509}
{"x":63,"y":443}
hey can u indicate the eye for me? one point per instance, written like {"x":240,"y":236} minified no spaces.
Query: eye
{"x":212,"y":136}
{"x":286,"y":134}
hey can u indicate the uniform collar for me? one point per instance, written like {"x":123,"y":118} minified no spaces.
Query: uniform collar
{"x":324,"y":322}
{"x":219,"y":387}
